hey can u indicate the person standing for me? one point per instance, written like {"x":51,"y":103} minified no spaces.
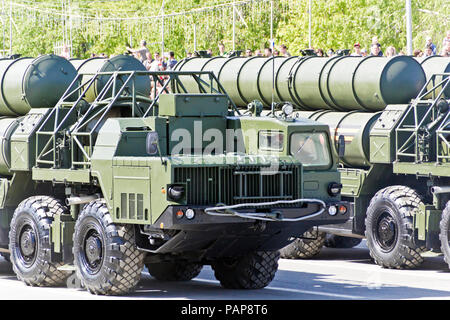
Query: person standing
{"x":375,"y":42}
{"x":429,"y":43}
{"x":172,"y":61}
{"x":357,"y":50}
{"x":142,"y":50}
{"x":284,"y":52}
{"x":222,"y":51}
{"x":375,"y":50}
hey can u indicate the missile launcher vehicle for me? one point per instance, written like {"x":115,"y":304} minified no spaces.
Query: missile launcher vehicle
{"x":390,"y":124}
{"x":98,"y":178}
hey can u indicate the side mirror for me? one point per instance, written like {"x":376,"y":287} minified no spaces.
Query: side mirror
{"x":341,"y":146}
{"x":152,"y":143}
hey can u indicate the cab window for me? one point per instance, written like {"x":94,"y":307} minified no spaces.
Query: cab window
{"x":311,"y":149}
{"x":271,"y":140}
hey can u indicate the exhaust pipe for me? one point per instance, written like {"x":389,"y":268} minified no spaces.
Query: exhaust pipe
{"x":82,"y":199}
{"x":438,"y":190}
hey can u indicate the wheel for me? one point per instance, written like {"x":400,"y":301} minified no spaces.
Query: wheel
{"x":444,"y":234}
{"x":105,"y":256}
{"x":252,"y":271}
{"x":174,"y":271}
{"x":30,"y":244}
{"x":304,"y":248}
{"x":389,"y":228}
{"x":340,"y":242}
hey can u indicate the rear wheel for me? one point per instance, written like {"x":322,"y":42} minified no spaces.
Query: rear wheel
{"x":340,"y":242}
{"x":444,"y":235}
{"x":389,"y":228}
{"x":30,"y":244}
{"x":255,"y":270}
{"x":306,"y":247}
{"x":105,"y":256}
{"x":174,"y":271}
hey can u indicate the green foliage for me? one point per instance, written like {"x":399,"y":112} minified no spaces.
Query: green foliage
{"x":38,"y":25}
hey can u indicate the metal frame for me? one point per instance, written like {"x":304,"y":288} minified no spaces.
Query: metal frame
{"x":427,"y":107}
{"x":116,"y":89}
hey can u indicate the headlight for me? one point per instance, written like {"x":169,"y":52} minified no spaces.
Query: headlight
{"x":175,"y":192}
{"x":332,"y":210}
{"x":287,"y":109}
{"x":190,"y":214}
{"x":334,"y":189}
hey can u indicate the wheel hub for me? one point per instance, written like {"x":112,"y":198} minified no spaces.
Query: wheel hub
{"x":28,"y":243}
{"x":386,"y":232}
{"x":93,"y":250}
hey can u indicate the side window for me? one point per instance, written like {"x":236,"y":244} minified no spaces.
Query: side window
{"x":271,"y":140}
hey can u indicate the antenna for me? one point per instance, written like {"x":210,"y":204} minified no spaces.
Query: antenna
{"x":272,"y":44}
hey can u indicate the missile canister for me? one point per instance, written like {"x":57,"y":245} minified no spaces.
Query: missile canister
{"x":436,"y":64}
{"x":316,"y":83}
{"x":354,"y":126}
{"x":33,"y":83}
{"x":116,"y":63}
{"x":7,"y":127}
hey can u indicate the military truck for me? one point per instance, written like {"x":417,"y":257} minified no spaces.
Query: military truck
{"x":99,"y":178}
{"x":389,"y":120}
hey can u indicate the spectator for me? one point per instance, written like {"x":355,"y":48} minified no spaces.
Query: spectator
{"x":209,"y":52}
{"x":276,"y":53}
{"x":375,"y":42}
{"x":428,"y":51}
{"x":391,"y":52}
{"x":357,"y":50}
{"x":65,"y":53}
{"x":446,"y":40}
{"x":172,"y":61}
{"x":222,"y":51}
{"x":331,"y":53}
{"x":364,"y":52}
{"x":156,"y":64}
{"x":417,"y":53}
{"x":258,"y":53}
{"x":446,"y":50}
{"x":283,"y":51}
{"x":375,"y":50}
{"x":319,"y":52}
{"x":148,"y":62}
{"x":93,"y":55}
{"x":142,"y":50}
{"x":430,"y":43}
{"x":248,"y":53}
{"x":267,"y":52}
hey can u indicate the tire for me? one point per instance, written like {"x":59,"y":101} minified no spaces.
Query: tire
{"x":30,"y":244}
{"x":252,"y":271}
{"x":304,"y":248}
{"x":444,"y":233}
{"x":113,"y":265}
{"x":340,"y":242}
{"x":174,"y":271}
{"x":390,"y":230}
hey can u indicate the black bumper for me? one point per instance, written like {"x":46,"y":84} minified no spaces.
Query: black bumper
{"x":218,"y":236}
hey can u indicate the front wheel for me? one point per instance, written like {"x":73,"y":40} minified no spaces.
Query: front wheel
{"x":105,"y":256}
{"x":255,"y":270}
{"x":389,"y":228}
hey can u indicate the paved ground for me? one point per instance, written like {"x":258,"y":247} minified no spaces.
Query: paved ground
{"x":333,"y":274}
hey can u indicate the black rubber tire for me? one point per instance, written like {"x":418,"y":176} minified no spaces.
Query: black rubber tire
{"x":36,"y":213}
{"x":302,"y":248}
{"x":397,"y":204}
{"x":340,"y":242}
{"x":174,"y":271}
{"x":120,"y":263}
{"x":444,"y":233}
{"x":252,"y":271}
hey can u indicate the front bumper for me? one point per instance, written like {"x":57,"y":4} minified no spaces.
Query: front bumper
{"x":224,"y":236}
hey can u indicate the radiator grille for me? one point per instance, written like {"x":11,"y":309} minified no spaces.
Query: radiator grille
{"x":234,"y":185}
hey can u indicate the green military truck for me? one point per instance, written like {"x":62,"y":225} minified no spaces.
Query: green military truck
{"x":99,"y":178}
{"x":389,"y":120}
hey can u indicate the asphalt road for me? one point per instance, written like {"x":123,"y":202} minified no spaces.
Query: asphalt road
{"x":333,"y":274}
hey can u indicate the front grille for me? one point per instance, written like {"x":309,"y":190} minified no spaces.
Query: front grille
{"x":238,"y":184}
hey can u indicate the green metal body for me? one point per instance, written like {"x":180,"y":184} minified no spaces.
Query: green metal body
{"x":436,"y":64}
{"x":343,"y":83}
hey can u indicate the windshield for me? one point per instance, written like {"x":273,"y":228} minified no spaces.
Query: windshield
{"x":311,"y":149}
